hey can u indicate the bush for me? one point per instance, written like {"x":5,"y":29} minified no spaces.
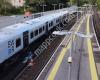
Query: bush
{"x":31,"y":9}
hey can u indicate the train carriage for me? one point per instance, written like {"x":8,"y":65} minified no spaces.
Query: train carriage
{"x":16,"y":37}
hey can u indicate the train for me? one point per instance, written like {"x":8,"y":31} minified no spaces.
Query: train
{"x":18,"y":36}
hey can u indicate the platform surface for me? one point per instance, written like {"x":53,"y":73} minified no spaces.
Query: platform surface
{"x":83,"y":64}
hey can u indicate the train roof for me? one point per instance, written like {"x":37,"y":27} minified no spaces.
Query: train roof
{"x":45,"y":18}
{"x":13,"y":30}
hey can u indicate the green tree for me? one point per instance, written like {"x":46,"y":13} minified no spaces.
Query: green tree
{"x":93,"y":1}
{"x":5,"y":7}
{"x":98,"y":3}
{"x":72,"y":2}
{"x":38,"y":1}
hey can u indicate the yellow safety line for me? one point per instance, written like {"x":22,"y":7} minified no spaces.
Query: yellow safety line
{"x":91,"y":58}
{"x":59,"y":60}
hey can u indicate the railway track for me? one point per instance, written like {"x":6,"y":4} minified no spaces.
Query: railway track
{"x":30,"y":73}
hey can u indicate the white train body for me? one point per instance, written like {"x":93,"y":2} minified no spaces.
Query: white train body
{"x":15,"y":37}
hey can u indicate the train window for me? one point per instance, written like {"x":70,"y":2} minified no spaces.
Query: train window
{"x":49,"y":24}
{"x":40,"y":30}
{"x":43,"y":28}
{"x":31,"y":35}
{"x":18,"y":42}
{"x":52,"y":23}
{"x":46,"y":24}
{"x":56,"y":21}
{"x":36,"y":32}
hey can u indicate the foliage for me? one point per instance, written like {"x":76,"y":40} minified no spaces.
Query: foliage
{"x":38,"y":1}
{"x":73,"y":2}
{"x":98,"y":3}
{"x":31,"y":5}
{"x":5,"y":7}
{"x":36,"y":5}
{"x":31,"y":9}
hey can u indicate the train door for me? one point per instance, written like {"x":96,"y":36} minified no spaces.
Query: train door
{"x":25,"y":39}
{"x":46,"y":27}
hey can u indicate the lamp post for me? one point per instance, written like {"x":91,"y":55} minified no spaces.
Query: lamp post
{"x":77,"y":14}
{"x":59,"y":5}
{"x":54,"y":6}
{"x":62,"y":5}
{"x":72,"y":33}
{"x":78,"y":10}
{"x":43,"y":6}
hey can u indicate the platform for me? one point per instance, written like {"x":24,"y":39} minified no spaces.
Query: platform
{"x":83,"y":66}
